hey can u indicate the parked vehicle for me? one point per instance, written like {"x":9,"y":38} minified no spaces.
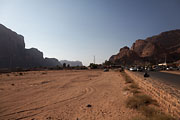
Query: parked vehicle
{"x":133,"y":69}
{"x":139,"y":69}
{"x":169,"y":68}
{"x":106,"y":70}
{"x":179,"y":68}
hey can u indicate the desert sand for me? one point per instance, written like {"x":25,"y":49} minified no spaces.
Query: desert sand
{"x":64,"y":95}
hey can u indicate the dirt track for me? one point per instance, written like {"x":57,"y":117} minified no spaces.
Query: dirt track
{"x":63,"y":95}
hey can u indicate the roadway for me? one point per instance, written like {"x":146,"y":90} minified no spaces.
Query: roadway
{"x":168,"y":78}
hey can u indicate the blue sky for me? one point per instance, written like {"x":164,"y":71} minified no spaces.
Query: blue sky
{"x":80,"y":29}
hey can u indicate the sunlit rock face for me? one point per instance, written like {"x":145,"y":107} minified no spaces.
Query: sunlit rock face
{"x":126,"y":57}
{"x":153,"y":50}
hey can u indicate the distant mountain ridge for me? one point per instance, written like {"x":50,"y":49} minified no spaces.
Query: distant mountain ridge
{"x":72,"y":63}
{"x":152,"y":50}
{"x":13,"y":53}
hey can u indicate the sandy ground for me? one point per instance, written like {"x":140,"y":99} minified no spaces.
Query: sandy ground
{"x":63,"y":95}
{"x":173,"y":72}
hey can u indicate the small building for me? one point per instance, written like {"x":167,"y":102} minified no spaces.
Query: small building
{"x":162,"y":64}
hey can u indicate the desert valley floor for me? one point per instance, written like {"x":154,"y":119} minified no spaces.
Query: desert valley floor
{"x":63,"y":95}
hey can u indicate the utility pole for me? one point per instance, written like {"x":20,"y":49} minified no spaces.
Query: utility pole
{"x":165,"y":61}
{"x":94,"y":59}
{"x":165,"y":58}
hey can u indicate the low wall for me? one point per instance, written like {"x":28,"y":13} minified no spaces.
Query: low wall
{"x":167,"y":96}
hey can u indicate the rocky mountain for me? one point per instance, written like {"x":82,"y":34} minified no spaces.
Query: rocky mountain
{"x":52,"y":62}
{"x":152,"y":50}
{"x":72,"y":63}
{"x":125,"y":56}
{"x":13,"y":53}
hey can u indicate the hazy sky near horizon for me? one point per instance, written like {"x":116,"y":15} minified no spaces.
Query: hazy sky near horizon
{"x":80,"y":29}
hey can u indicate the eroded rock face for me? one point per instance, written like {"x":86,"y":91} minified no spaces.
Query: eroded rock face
{"x":12,"y":48}
{"x":125,"y":57}
{"x":138,"y":46}
{"x":167,"y":40}
{"x":152,"y":50}
{"x":34,"y":58}
{"x":13,"y":53}
{"x":50,"y":62}
{"x":72,"y":63}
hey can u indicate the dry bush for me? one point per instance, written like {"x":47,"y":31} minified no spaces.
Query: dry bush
{"x":141,"y":103}
{"x":135,"y":91}
{"x":128,"y":80}
{"x":139,"y":118}
{"x":137,"y":101}
{"x":157,"y":117}
{"x":161,"y":116}
{"x":126,"y":88}
{"x":44,"y":82}
{"x":44,"y":73}
{"x":149,"y":111}
{"x":134,"y":86}
{"x":21,"y":74}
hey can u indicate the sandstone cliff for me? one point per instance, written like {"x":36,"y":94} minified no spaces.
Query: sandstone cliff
{"x":151,"y":50}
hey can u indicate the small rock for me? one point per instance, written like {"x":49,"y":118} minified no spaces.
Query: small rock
{"x":20,"y":73}
{"x":89,"y":105}
{"x":48,"y":118}
{"x":125,"y":93}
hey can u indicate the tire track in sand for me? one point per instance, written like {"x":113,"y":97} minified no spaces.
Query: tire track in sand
{"x":86,"y":92}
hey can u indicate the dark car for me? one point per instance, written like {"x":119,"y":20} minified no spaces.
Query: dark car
{"x":139,"y":69}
